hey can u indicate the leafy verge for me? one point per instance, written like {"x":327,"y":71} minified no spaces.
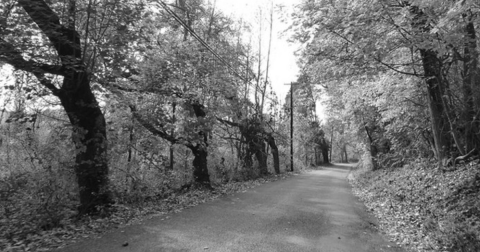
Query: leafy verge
{"x":423,"y":208}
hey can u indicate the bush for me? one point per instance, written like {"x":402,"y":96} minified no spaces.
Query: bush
{"x":32,"y":202}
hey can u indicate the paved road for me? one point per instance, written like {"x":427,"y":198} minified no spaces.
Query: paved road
{"x":315,"y":211}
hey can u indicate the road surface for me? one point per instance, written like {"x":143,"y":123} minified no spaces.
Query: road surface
{"x":315,"y":211}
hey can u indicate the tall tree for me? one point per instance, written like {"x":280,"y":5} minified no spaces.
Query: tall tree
{"x":75,"y":94}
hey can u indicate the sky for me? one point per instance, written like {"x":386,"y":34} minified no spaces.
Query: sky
{"x":283,"y":67}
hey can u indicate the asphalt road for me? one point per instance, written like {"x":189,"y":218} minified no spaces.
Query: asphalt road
{"x":315,"y":211}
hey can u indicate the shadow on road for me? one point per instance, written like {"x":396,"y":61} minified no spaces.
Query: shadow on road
{"x":340,"y":166}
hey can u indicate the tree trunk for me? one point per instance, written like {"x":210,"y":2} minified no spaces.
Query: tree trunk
{"x":247,"y":157}
{"x":200,"y":150}
{"x":306,"y":155}
{"x":373,"y":148}
{"x":89,"y":137}
{"x":172,"y":133}
{"x":325,"y":155}
{"x":84,"y":113}
{"x":255,"y":144}
{"x":130,"y":142}
{"x":276,"y":159}
{"x":432,"y":74}
{"x":470,"y":86}
{"x":434,"y":95}
{"x":331,"y":145}
{"x":261,"y":157}
{"x":200,"y":167}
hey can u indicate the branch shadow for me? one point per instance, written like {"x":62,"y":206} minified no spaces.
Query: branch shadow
{"x":340,"y":166}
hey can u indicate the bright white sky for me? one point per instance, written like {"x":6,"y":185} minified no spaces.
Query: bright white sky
{"x":283,"y":67}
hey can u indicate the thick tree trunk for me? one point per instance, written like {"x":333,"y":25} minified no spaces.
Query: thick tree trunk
{"x":89,"y":133}
{"x":200,"y":165}
{"x":89,"y":137}
{"x":261,"y":157}
{"x":276,"y":159}
{"x":247,"y":158}
{"x":255,"y":146}
{"x":325,"y":155}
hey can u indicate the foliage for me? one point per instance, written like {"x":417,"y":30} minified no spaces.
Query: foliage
{"x":35,"y":177}
{"x":397,"y":74}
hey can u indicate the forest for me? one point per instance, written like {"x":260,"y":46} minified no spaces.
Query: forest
{"x":111,"y":106}
{"x":403,"y":83}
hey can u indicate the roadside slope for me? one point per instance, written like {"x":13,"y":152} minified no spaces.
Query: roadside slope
{"x":423,"y":208}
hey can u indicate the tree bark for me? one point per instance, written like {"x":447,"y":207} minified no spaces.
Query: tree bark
{"x":261,"y":156}
{"x":471,"y":86}
{"x":331,"y":145}
{"x":325,"y":155}
{"x":200,"y":165}
{"x":200,"y":150}
{"x":255,"y":145}
{"x":172,"y":133}
{"x":89,"y":137}
{"x":345,"y":152}
{"x":83,"y":110}
{"x":434,"y":95}
{"x":276,"y":159}
{"x":373,"y":148}
{"x":432,"y":75}
{"x":131,"y":141}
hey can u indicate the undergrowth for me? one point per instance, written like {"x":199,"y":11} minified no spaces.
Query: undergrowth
{"x":424,"y":208}
{"x":27,"y":235}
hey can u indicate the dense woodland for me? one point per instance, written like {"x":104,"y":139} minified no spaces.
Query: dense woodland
{"x":116,"y":102}
{"x":401,"y":75}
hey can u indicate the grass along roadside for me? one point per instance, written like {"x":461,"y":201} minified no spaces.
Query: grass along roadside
{"x":423,"y":208}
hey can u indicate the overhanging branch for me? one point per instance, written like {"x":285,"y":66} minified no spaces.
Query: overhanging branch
{"x":10,"y":55}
